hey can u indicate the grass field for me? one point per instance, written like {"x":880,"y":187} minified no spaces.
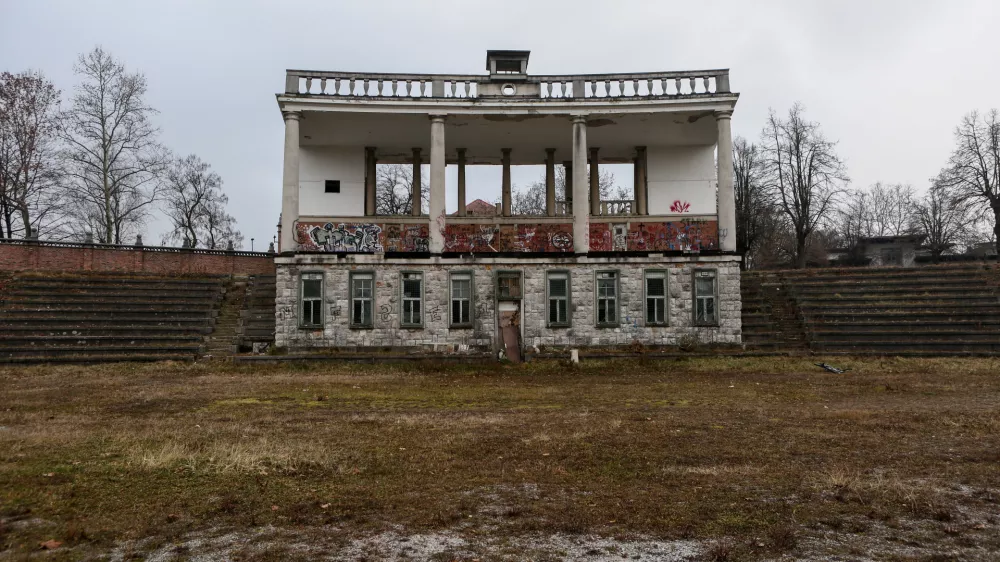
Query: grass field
{"x":701,"y":459}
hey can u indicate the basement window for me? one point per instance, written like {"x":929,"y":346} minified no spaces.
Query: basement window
{"x":607,"y":298}
{"x":705,"y":298}
{"x":412,"y":297}
{"x":311,"y":295}
{"x":656,"y":297}
{"x":362,"y":299}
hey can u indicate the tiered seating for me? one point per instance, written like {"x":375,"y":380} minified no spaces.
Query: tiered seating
{"x":931,"y":310}
{"x":770,"y":320}
{"x":105,"y":317}
{"x":257,"y":316}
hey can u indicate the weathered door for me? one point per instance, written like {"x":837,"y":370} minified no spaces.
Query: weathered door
{"x":509,"y":320}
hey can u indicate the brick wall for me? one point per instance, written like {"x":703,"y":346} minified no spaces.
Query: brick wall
{"x":124,"y":259}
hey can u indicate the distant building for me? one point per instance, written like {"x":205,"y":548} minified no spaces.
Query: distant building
{"x":880,"y":251}
{"x":588,"y":272}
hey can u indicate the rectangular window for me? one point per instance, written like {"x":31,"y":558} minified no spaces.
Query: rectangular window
{"x":332,"y":186}
{"x":607,"y":298}
{"x":705,"y":309}
{"x":557,"y":286}
{"x":311,"y":295}
{"x":656,"y":298}
{"x":362,"y":299}
{"x":508,"y":285}
{"x":461,"y":299}
{"x":413,"y":295}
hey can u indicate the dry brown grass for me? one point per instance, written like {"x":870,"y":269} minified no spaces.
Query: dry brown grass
{"x":750,"y":455}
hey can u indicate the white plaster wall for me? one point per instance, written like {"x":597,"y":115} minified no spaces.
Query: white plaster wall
{"x":681,"y":173}
{"x":320,"y":163}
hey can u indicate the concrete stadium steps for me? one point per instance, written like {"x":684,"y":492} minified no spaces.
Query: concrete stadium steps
{"x":935,"y":310}
{"x":105,"y":317}
{"x":257,"y":315}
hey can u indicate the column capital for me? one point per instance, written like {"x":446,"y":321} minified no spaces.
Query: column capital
{"x":579,"y":119}
{"x":437,"y":117}
{"x":505,"y":150}
{"x":551,"y":151}
{"x":726,"y":114}
{"x":292,"y":115}
{"x":461,"y":151}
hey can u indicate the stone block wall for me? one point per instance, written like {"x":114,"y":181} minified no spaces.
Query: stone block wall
{"x":436,"y":333}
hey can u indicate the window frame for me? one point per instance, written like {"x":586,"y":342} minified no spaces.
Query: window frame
{"x":472,"y":298}
{"x":694,"y":296}
{"x":569,"y":300}
{"x":403,"y":299}
{"x":520,"y":280}
{"x":597,"y":299}
{"x":666,"y":297}
{"x":350,"y":299}
{"x":322,"y":294}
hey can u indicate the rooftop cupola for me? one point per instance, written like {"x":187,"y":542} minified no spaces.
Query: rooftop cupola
{"x":507,"y":65}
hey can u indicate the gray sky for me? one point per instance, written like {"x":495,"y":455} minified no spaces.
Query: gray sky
{"x":887,"y":79}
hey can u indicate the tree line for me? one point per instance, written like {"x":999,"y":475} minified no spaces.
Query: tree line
{"x":794,"y":200}
{"x":95,"y":169}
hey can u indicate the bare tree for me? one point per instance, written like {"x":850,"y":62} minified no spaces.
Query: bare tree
{"x":972,"y":175}
{"x":114,"y":159}
{"x":754,"y":205}
{"x":941,"y":218}
{"x":531,"y":199}
{"x":394,"y":190}
{"x":196,"y":206}
{"x":880,"y":210}
{"x":29,"y":163}
{"x":807,"y":175}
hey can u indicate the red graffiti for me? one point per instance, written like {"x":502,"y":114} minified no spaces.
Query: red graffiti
{"x":679,"y":206}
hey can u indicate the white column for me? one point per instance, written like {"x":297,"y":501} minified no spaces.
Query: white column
{"x":461,"y":182}
{"x":505,"y":198}
{"x":437,"y":215}
{"x":370,"y":181}
{"x":415,"y":197}
{"x":581,"y":211}
{"x":641,"y":197}
{"x":290,"y":183}
{"x":727,"y":195}
{"x":550,"y":182}
{"x":595,"y":183}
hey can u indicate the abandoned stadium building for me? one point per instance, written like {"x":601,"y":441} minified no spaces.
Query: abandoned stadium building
{"x":588,"y":273}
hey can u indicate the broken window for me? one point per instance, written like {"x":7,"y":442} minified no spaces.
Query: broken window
{"x":705,"y":300}
{"x":461,"y":299}
{"x":311,"y":295}
{"x":558,"y":291}
{"x":362,"y":299}
{"x":607,"y":298}
{"x":508,"y":285}
{"x":413,"y":294}
{"x":656,"y":298}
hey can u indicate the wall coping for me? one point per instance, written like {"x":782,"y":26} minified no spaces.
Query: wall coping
{"x":143,"y":248}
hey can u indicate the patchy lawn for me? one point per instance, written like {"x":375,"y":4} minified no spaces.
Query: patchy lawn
{"x":695,"y":459}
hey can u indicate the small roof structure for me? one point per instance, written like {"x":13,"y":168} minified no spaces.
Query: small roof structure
{"x":479,"y":208}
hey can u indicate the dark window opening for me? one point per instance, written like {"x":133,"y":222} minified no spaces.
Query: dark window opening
{"x":333,"y":186}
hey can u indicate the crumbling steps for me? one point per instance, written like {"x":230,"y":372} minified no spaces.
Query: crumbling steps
{"x":257,"y":324}
{"x":223,"y":340}
{"x":106,"y":317}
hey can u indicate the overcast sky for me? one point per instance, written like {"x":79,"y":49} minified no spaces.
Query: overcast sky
{"x":887,"y":79}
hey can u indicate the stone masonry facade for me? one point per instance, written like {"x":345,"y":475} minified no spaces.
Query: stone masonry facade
{"x":436,"y":334}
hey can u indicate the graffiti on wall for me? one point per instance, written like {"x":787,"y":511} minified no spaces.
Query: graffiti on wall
{"x":362,"y":237}
{"x":405,"y":238}
{"x":670,"y":236}
{"x":679,"y":206}
{"x":341,"y":237}
{"x":492,"y":238}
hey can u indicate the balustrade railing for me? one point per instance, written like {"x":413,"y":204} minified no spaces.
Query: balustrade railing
{"x":617,"y":207}
{"x":584,"y":86}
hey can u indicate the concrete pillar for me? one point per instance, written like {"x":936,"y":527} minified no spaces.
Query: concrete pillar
{"x":290,"y":183}
{"x":369,"y":181}
{"x":641,"y":187}
{"x":436,"y":238}
{"x":415,"y":198}
{"x":505,"y":182}
{"x":461,"y":182}
{"x":726,"y":195}
{"x":568,"y":177}
{"x":550,"y":182}
{"x":595,"y":183}
{"x":581,"y":217}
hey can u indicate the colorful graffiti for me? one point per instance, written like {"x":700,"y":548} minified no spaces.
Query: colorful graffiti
{"x":405,"y":238}
{"x":671,"y":236}
{"x":342,"y":237}
{"x":493,"y":238}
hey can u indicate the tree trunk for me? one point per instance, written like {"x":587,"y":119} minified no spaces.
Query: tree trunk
{"x":27,"y":223}
{"x":996,"y":227}
{"x":800,"y":250}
